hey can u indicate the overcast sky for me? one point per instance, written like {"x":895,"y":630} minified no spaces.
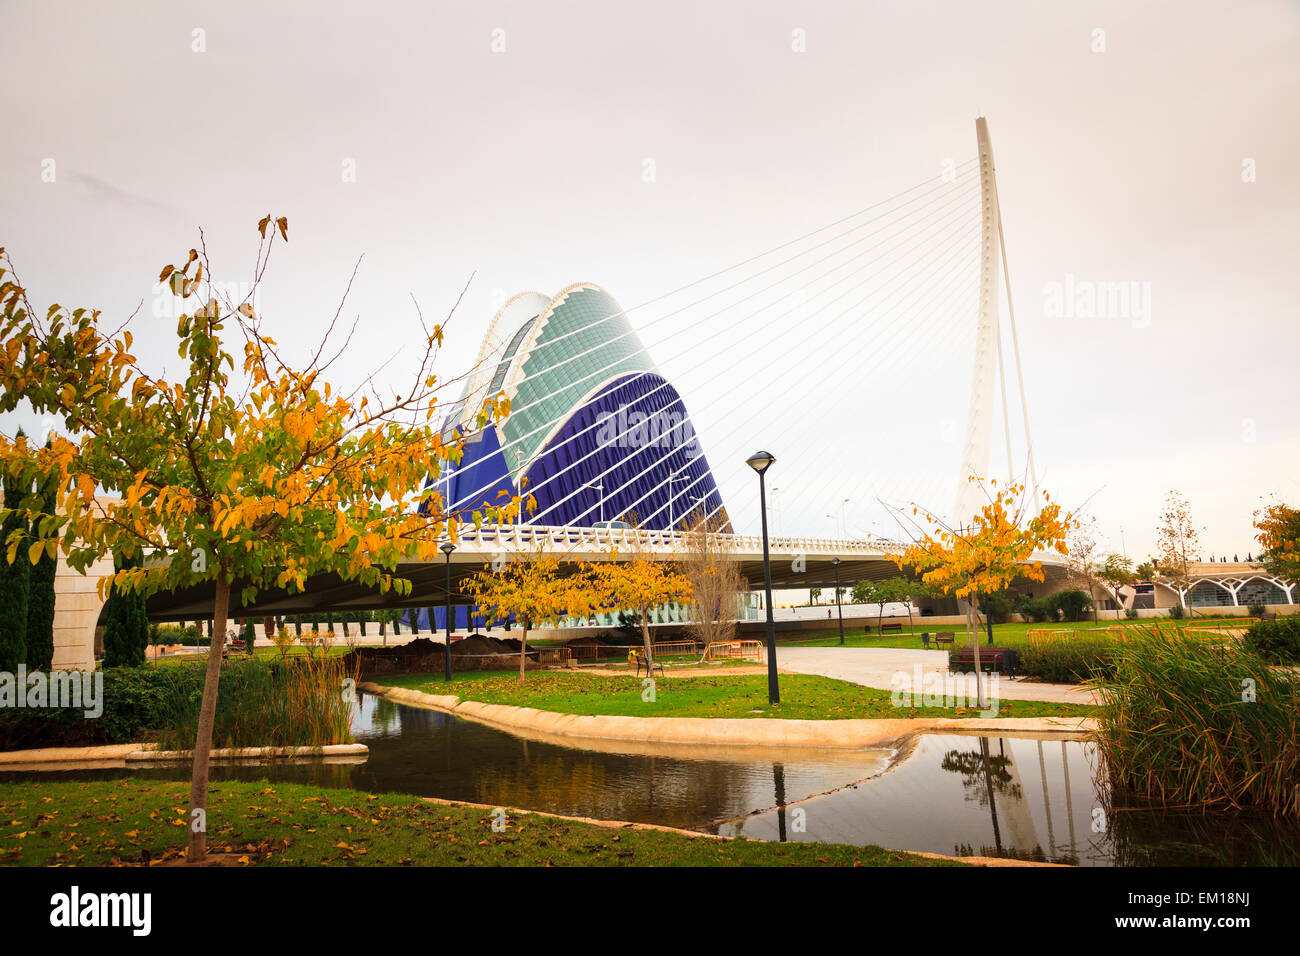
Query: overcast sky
{"x":639,"y":147}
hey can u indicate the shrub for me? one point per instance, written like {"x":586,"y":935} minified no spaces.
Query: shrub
{"x":998,"y":607}
{"x":1177,"y":728}
{"x":1257,"y":610}
{"x":1074,"y":605}
{"x":1277,"y":641}
{"x":1176,"y":612}
{"x":1131,"y":613}
{"x":1068,"y":660}
{"x":1038,"y":610}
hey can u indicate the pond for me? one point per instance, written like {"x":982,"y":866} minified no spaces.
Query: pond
{"x":946,"y":793}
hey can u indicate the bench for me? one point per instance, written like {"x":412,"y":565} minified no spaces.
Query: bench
{"x":891,"y":627}
{"x":650,"y":666}
{"x":943,"y":637}
{"x":991,"y":658}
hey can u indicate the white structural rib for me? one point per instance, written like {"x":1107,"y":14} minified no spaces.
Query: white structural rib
{"x":979,"y":420}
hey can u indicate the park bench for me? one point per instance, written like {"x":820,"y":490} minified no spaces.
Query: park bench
{"x":943,"y":637}
{"x":891,"y":627}
{"x":650,"y":666}
{"x":1001,"y":659}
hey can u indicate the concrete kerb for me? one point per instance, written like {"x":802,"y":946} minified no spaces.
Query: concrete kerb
{"x":120,"y":755}
{"x":850,"y":733}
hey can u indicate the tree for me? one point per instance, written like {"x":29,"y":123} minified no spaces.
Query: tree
{"x":637,"y":582}
{"x":1278,"y":528}
{"x":126,"y":622}
{"x":530,"y":588}
{"x":1081,"y":558}
{"x":813,"y":595}
{"x":1176,"y":543}
{"x":715,"y":581}
{"x":15,"y":572}
{"x":1116,"y":572}
{"x":987,"y":554}
{"x":262,"y":475}
{"x":40,"y":599}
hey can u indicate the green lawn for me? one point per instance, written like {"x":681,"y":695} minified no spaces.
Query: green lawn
{"x":1013,"y":634}
{"x":803,"y":696}
{"x":138,"y":821}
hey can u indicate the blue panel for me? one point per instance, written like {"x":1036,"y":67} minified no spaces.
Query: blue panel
{"x":630,"y":437}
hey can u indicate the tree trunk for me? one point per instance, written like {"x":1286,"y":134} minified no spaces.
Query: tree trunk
{"x":645,"y":638}
{"x":198,"y":843}
{"x":523,"y":650}
{"x":973,"y":613}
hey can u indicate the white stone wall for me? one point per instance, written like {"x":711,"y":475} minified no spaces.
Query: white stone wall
{"x":76,"y":612}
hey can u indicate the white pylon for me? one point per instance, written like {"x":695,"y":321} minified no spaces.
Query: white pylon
{"x":979,"y":420}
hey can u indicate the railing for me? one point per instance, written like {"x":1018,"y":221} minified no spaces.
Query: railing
{"x":735,"y":651}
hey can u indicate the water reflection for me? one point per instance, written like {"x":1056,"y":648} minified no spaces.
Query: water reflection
{"x":957,"y":794}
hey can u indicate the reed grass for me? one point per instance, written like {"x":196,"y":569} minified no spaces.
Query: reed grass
{"x":295,"y":702}
{"x":1188,"y":723}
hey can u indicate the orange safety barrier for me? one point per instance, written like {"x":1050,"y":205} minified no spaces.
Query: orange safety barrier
{"x":735,"y":650}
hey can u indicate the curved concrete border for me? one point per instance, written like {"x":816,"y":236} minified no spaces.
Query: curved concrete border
{"x":725,"y":731}
{"x":119,"y":755}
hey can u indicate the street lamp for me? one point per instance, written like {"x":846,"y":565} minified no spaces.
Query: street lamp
{"x":673,"y":479}
{"x":838,"y":610}
{"x":761,"y":461}
{"x":447,"y":549}
{"x":599,"y":486}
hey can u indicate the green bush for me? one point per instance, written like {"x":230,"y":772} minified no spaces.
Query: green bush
{"x":136,"y":700}
{"x":998,"y":607}
{"x":1131,"y":613}
{"x":1277,"y":641}
{"x":1038,"y":610}
{"x":1257,"y":610}
{"x":1176,"y":612}
{"x":1068,"y":661}
{"x":1074,"y":605}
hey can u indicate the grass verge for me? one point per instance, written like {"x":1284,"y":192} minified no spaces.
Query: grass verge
{"x":803,"y":696}
{"x":137,"y":822}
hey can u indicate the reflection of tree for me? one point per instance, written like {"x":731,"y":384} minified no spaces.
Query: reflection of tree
{"x":978,"y":770}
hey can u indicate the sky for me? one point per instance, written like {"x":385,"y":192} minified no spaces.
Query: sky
{"x":525,"y":147}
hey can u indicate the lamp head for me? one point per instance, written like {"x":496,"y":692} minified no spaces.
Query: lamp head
{"x":835,"y":562}
{"x":760,"y":461}
{"x":447,"y":548}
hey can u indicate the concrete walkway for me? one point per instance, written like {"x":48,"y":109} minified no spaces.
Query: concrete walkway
{"x":877,"y":667}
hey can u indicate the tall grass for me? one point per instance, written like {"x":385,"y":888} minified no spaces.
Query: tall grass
{"x":1179,"y":727}
{"x":295,"y":702}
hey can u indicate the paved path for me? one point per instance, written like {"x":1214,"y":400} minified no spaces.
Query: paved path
{"x":877,"y":667}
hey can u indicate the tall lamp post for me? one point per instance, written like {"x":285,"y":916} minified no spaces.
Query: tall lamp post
{"x":447,"y":549}
{"x":761,"y":461}
{"x":838,"y":610}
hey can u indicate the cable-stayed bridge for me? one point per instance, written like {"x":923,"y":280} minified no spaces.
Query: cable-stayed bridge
{"x":615,"y":422}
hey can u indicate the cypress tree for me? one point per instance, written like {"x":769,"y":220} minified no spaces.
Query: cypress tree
{"x":15,"y":578}
{"x":40,"y":603}
{"x":126,"y":624}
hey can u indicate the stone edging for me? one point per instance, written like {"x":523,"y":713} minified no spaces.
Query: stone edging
{"x":121,"y":754}
{"x":725,"y":731}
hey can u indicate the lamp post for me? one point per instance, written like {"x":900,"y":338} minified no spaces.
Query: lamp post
{"x":447,"y":549}
{"x":673,"y":479}
{"x":761,"y":461}
{"x":600,"y":487}
{"x":838,"y":610}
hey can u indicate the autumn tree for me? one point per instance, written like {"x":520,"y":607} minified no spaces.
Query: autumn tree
{"x":994,"y":548}
{"x":715,"y":581}
{"x":1278,"y":532}
{"x":15,"y":574}
{"x":1116,"y":572}
{"x":1082,"y":558}
{"x":532,"y":589}
{"x":1176,"y":545}
{"x":249,"y":473}
{"x":634,"y":579}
